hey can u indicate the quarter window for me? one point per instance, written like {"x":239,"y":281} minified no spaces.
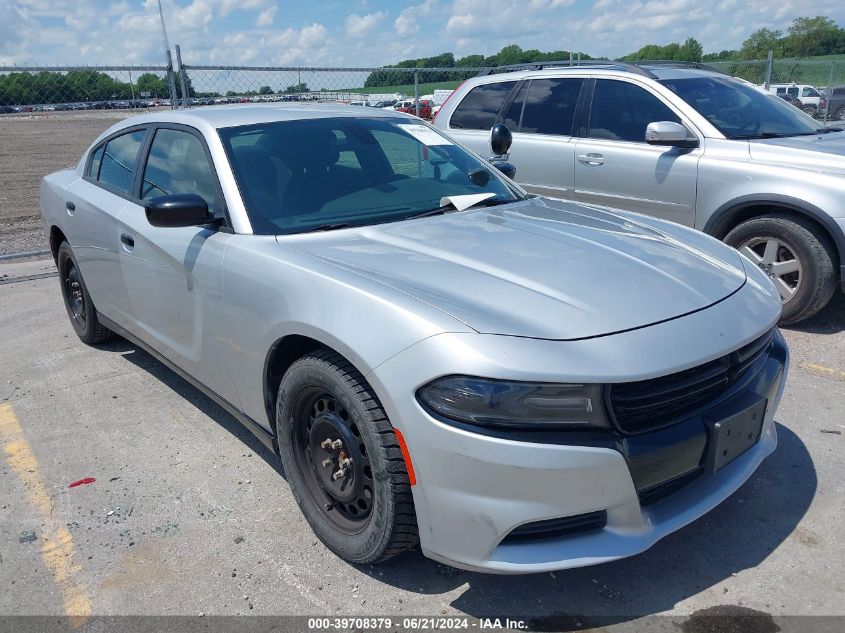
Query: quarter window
{"x":479,"y":109}
{"x":96,"y":159}
{"x":178,"y":164}
{"x":550,"y":106}
{"x":621,"y":111}
{"x":119,"y":160}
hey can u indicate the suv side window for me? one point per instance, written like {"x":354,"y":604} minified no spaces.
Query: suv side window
{"x":550,"y":106}
{"x":479,"y":109}
{"x":621,"y":111}
{"x":809,"y":92}
{"x":177,"y":163}
{"x":119,"y":160}
{"x":792,"y":91}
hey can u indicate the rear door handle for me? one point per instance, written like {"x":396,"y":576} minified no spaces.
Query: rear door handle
{"x":591,"y":159}
{"x":127,"y":240}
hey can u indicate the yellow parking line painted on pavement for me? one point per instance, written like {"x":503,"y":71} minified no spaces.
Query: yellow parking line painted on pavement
{"x":57,"y":549}
{"x":821,"y":370}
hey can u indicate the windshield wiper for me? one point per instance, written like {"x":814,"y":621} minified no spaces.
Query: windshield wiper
{"x":331,"y":227}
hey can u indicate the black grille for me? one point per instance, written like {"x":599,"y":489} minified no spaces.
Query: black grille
{"x":554,"y":528}
{"x":664,"y":488}
{"x":649,"y":404}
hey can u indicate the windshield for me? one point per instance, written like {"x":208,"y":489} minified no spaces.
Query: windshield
{"x":740,"y":111}
{"x":319,"y":174}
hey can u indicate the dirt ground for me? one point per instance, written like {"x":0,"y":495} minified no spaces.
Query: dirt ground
{"x":32,"y":146}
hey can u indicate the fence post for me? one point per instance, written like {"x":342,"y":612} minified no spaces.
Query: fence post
{"x":182,"y":80}
{"x":171,"y":81}
{"x":828,"y":93}
{"x":769,"y":70}
{"x":416,"y":94}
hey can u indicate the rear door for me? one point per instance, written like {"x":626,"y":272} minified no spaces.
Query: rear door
{"x":94,"y":203}
{"x":173,"y":275}
{"x":614,"y":166}
{"x":541,"y":117}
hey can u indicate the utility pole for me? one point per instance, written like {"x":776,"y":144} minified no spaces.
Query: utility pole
{"x":171,"y":81}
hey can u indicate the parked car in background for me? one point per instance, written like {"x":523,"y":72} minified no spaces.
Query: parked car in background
{"x":422,"y":108}
{"x":809,"y":96}
{"x":4,"y":109}
{"x":683,"y":143}
{"x":518,"y":384}
{"x":836,"y":103}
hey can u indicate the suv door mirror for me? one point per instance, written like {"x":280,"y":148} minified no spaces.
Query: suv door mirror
{"x":500,"y":139}
{"x":668,"y":133}
{"x":184,"y":209}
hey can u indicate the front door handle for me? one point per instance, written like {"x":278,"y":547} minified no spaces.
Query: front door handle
{"x":128,"y":241}
{"x":591,"y":159}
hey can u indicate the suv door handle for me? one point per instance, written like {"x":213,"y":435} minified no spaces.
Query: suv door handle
{"x":591,"y":159}
{"x":128,"y":241}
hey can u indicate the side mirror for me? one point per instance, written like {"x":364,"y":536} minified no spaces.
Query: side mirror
{"x":508,"y":169}
{"x":500,"y":139}
{"x":184,"y":209}
{"x":668,"y":133}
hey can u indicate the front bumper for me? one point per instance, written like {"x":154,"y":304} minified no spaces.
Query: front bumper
{"x":473,"y":489}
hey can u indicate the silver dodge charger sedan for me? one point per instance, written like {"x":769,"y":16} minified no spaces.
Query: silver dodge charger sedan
{"x":518,"y":384}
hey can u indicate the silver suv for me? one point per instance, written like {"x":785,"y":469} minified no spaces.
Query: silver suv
{"x":681,"y":142}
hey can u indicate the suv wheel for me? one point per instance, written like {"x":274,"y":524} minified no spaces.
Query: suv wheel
{"x":795,"y":255}
{"x":808,"y":109}
{"x":343,"y":461}
{"x":80,"y":308}
{"x":840,"y":114}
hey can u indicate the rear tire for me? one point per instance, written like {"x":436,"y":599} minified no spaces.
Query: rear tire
{"x":774,"y":242}
{"x":840,"y":114}
{"x":366,"y":515}
{"x":80,"y":308}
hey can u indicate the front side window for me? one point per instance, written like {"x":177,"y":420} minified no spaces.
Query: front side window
{"x":479,"y":109}
{"x":177,"y":164}
{"x":298,"y":176}
{"x":741,"y":111}
{"x":119,"y":161}
{"x":550,"y":106}
{"x":622,"y":111}
{"x":809,"y":92}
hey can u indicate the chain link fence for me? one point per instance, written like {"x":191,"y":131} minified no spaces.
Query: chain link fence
{"x":47,"y":88}
{"x":50,"y":88}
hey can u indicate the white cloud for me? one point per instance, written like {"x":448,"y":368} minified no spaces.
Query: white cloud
{"x":361,"y":25}
{"x":265,"y":18}
{"x":407,"y":22}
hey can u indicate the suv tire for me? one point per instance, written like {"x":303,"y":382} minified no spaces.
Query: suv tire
{"x":840,"y":114}
{"x":367,"y":514}
{"x":793,"y":237}
{"x":80,"y":309}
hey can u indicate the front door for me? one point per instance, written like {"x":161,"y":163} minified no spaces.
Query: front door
{"x":615,"y":167}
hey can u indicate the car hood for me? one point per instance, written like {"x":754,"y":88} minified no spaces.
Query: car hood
{"x":539,"y":268}
{"x":822,"y":152}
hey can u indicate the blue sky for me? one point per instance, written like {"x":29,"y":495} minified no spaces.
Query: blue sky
{"x":373,"y":32}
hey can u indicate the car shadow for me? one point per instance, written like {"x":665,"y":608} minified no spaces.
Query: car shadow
{"x":829,"y":320}
{"x":195,"y":397}
{"x":735,"y":536}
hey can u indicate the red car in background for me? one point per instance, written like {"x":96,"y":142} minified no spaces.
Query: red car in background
{"x":425,"y":106}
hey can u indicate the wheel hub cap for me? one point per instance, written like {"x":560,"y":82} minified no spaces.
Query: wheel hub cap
{"x":778,"y":261}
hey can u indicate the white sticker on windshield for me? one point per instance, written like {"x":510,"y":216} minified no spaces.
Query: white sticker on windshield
{"x":425,"y":135}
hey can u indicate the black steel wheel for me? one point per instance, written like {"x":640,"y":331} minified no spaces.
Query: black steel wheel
{"x":80,"y":308}
{"x":343,"y":461}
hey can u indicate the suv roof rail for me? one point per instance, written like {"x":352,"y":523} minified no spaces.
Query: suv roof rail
{"x":678,"y":64}
{"x":594,"y":63}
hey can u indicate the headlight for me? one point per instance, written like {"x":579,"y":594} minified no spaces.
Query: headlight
{"x":490,"y":402}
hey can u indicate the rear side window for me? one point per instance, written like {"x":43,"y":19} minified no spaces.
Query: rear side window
{"x":793,"y":92}
{"x":96,"y":159}
{"x":621,"y":111}
{"x":479,"y":109}
{"x":119,"y":161}
{"x":178,"y":164}
{"x":550,"y":106}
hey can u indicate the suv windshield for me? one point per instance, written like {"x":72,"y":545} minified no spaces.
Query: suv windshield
{"x":740,"y":111}
{"x":318,"y":174}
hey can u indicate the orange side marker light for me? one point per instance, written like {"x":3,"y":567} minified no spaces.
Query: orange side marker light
{"x":409,"y":466}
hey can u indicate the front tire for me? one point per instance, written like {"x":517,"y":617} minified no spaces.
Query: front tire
{"x":797,"y":257}
{"x":80,"y":308}
{"x":343,"y":461}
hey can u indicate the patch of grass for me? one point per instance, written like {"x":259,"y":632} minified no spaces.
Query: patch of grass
{"x":406,"y":89}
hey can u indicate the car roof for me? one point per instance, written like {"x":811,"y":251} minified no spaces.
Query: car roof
{"x":233,"y":115}
{"x":656,"y":71}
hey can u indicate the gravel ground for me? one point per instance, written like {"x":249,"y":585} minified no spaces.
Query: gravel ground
{"x":32,"y":146}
